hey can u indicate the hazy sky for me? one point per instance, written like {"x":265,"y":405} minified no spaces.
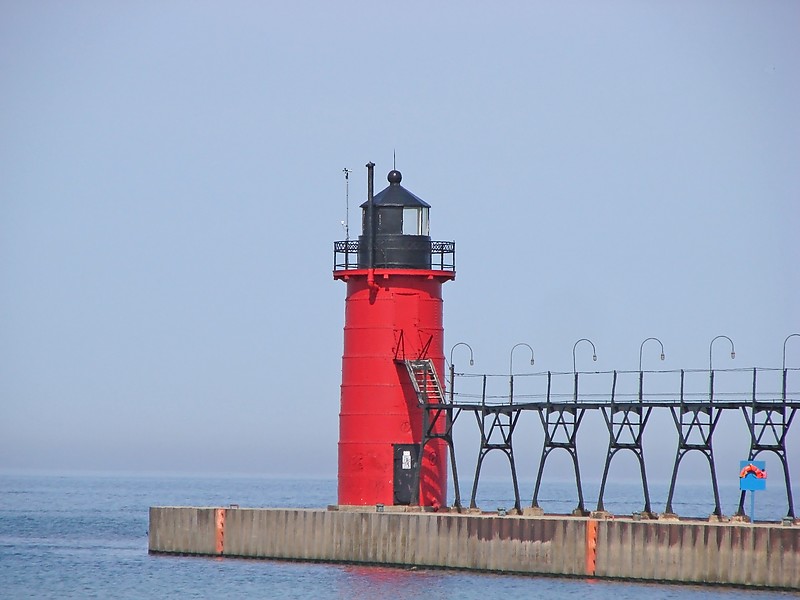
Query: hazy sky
{"x":171,"y":185}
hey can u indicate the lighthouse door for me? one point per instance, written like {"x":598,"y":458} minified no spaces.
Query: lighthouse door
{"x":406,"y":461}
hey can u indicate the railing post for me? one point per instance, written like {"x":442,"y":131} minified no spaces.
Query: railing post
{"x":549,"y":380}
{"x":614,"y":388}
{"x":452,"y":381}
{"x":783,"y":387}
{"x":641,"y":386}
{"x":711,"y":387}
{"x":575,"y":388}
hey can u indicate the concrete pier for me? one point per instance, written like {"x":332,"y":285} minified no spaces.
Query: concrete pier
{"x":742,"y":554}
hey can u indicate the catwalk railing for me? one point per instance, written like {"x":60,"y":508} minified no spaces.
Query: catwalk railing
{"x":767,"y":399}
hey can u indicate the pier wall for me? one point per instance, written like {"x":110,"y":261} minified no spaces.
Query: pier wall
{"x":761,"y":555}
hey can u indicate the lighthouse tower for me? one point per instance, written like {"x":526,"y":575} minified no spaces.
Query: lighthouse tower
{"x":393,"y":352}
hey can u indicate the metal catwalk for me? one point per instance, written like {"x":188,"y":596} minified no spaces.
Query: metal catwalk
{"x":695,"y":399}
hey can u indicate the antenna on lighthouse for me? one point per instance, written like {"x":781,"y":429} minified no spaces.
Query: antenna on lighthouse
{"x":346,"y":222}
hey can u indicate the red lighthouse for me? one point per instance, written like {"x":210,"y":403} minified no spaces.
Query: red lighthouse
{"x":393,"y":352}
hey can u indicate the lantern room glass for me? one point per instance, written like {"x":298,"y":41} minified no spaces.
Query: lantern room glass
{"x":415,"y":221}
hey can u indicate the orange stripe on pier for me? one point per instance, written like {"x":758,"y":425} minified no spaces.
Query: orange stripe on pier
{"x":591,"y":546}
{"x":219,"y":530}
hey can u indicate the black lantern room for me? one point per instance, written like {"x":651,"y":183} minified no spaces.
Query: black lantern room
{"x":399,"y":228}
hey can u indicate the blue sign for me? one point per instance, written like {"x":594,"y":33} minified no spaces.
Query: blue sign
{"x":752,"y":475}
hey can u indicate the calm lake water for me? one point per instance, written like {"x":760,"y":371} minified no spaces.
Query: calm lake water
{"x":85,"y":536}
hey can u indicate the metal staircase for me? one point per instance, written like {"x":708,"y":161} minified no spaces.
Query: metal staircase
{"x":437,"y":417}
{"x":425,"y":380}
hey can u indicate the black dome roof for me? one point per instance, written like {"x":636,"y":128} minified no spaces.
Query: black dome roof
{"x":396,"y":195}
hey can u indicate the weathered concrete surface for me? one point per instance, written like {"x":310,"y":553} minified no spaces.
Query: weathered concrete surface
{"x":691,"y":552}
{"x":174,"y":529}
{"x":695,"y":552}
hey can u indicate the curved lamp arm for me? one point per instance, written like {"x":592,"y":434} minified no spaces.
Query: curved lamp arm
{"x":711,"y":345}
{"x":784,"y":347}
{"x":594,"y":351}
{"x":471,"y":356}
{"x":655,"y":339}
{"x":511,"y":356}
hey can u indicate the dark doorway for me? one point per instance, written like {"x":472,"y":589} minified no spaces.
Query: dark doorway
{"x":406,"y":461}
